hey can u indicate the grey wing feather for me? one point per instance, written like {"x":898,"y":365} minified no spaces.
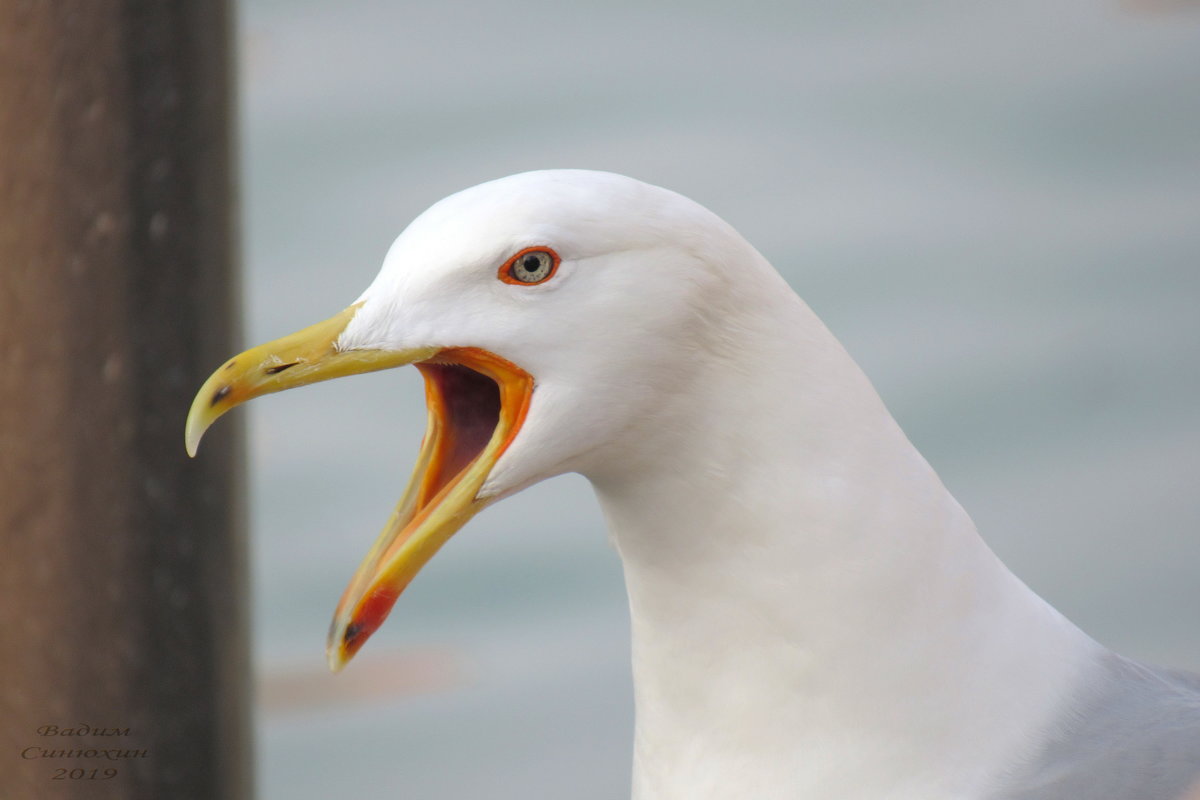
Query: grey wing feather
{"x":1135,"y":735}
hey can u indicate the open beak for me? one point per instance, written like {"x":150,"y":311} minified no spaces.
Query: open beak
{"x":477,"y":402}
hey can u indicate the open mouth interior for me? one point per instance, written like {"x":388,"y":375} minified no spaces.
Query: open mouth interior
{"x":464,"y":407}
{"x":477,"y":403}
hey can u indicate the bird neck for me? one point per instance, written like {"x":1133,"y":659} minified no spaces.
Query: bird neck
{"x":808,"y":602}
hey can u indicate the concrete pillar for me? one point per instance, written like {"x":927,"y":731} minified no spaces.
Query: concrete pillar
{"x":123,"y":647}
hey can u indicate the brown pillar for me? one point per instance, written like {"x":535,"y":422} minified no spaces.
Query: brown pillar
{"x":123,"y":658}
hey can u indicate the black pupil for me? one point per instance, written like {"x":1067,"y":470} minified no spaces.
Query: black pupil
{"x":532,"y":263}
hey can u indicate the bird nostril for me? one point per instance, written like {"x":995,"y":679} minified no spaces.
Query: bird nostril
{"x":279,"y":368}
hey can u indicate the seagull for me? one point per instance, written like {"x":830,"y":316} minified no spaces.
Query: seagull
{"x":813,"y":614}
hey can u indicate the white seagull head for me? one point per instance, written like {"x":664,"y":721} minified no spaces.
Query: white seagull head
{"x":547,"y":311}
{"x":592,"y":283}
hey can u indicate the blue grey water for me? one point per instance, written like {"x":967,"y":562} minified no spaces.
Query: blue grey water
{"x":995,"y":206}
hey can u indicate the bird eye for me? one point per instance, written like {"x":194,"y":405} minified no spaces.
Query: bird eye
{"x":531,"y":265}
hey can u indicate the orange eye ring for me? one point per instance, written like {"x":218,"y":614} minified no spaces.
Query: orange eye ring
{"x":530,"y":267}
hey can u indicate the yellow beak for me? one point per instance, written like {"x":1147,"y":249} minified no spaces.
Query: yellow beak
{"x":477,"y":402}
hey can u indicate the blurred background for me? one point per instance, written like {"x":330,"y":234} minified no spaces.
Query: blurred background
{"x":995,"y":206}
